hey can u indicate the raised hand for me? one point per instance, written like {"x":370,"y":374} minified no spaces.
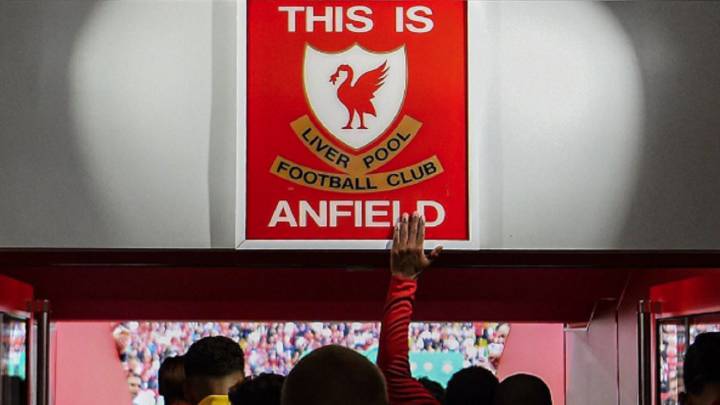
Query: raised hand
{"x":407,"y":258}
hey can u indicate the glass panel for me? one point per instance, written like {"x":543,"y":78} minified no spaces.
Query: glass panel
{"x":672,"y":344}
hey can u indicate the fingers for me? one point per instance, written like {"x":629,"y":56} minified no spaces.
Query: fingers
{"x":413,"y":230}
{"x":420,"y":239}
{"x":409,"y":231}
{"x":436,"y":253}
{"x":396,"y":236}
{"x":402,"y":243}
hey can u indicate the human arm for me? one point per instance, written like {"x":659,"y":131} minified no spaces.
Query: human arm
{"x":407,"y":261}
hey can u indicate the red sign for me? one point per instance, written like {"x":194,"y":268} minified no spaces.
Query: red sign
{"x":356,"y":113}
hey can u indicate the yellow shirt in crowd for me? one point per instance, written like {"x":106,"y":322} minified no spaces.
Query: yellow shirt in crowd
{"x":215,"y":400}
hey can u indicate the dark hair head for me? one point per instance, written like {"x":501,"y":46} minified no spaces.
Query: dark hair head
{"x":215,"y":356}
{"x":523,"y":389}
{"x":434,"y":388}
{"x":471,"y":386}
{"x":171,"y":378}
{"x":702,"y":363}
{"x":334,"y":375}
{"x":261,"y":390}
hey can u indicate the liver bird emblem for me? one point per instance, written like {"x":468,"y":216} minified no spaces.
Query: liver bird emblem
{"x":357,"y":98}
{"x":364,"y":96}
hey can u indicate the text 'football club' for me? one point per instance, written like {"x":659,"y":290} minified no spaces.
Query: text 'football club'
{"x":357,"y":19}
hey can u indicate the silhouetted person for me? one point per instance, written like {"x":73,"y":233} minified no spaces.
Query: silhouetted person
{"x":13,"y":390}
{"x":471,"y":386}
{"x":334,"y":375}
{"x":433,"y":388}
{"x":523,"y":389}
{"x":264,"y":389}
{"x":212,"y":366}
{"x":701,"y":371}
{"x":171,"y":379}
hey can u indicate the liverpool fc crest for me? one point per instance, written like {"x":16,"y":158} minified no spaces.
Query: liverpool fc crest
{"x":355,"y":94}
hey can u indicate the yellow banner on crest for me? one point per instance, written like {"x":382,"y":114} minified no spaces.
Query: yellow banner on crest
{"x":355,"y":164}
{"x":356,"y":183}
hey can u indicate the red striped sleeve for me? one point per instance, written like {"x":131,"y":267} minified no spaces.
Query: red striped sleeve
{"x":393,"y":351}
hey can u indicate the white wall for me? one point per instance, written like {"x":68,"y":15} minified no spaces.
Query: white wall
{"x":591,"y":361}
{"x":599,"y":127}
{"x":563,"y":136}
{"x":117,"y":123}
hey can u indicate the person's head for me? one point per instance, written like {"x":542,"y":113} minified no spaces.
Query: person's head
{"x":212,"y":366}
{"x":334,"y":375}
{"x":134,"y":382}
{"x":171,"y":378}
{"x":701,"y":371}
{"x":434,"y":388}
{"x":261,"y":390}
{"x":471,"y":385}
{"x":523,"y":389}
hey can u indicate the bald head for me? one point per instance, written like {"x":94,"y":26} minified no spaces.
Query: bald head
{"x":334,"y":375}
{"x":522,"y":389}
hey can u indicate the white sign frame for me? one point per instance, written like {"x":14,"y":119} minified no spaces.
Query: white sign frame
{"x":476,"y":27}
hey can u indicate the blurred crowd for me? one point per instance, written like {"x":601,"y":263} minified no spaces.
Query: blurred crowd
{"x":480,"y":343}
{"x":13,"y":340}
{"x":275,"y":347}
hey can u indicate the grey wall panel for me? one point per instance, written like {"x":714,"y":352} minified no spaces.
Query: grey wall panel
{"x":568,"y":125}
{"x":675,"y":200}
{"x":117,"y":123}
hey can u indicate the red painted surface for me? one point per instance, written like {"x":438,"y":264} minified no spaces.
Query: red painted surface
{"x":279,"y":97}
{"x":14,"y":295}
{"x":311,"y":293}
{"x":695,"y":295}
{"x":536,"y":349}
{"x":87,"y":367}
